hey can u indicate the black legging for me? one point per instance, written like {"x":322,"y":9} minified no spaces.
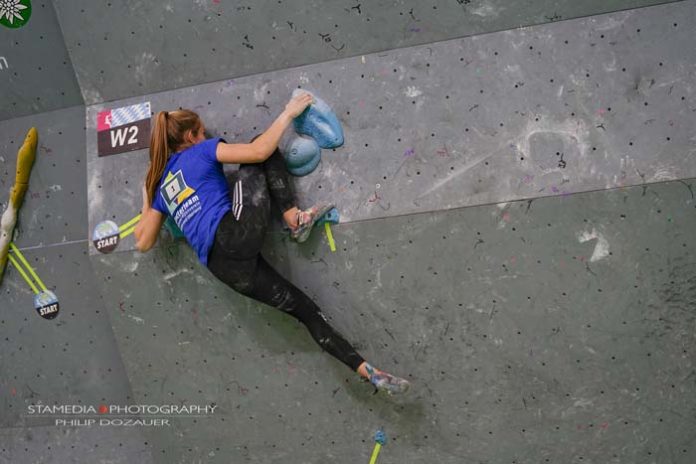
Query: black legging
{"x":236,"y":260}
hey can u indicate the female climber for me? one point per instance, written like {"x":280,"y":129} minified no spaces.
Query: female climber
{"x":226,"y":225}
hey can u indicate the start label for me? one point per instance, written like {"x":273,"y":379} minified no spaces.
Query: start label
{"x":46,"y":304}
{"x":106,"y":236}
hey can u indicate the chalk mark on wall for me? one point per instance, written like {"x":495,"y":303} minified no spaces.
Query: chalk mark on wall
{"x":3,"y":60}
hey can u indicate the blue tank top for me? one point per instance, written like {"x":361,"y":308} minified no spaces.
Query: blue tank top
{"x":194,"y":192}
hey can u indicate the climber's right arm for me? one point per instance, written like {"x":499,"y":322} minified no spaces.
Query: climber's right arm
{"x":264,"y":145}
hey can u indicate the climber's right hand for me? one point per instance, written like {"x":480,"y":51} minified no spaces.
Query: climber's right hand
{"x":298,"y":104}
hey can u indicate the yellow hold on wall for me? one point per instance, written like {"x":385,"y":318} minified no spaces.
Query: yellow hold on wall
{"x":25,"y":162}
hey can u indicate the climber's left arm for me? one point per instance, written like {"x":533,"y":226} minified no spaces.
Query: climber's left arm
{"x":147,"y":229}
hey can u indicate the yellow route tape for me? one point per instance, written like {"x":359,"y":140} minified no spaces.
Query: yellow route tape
{"x":329,"y":236}
{"x":19,"y":254}
{"x":22,"y":273}
{"x":126,"y":233}
{"x":375,"y":453}
{"x":130,"y":223}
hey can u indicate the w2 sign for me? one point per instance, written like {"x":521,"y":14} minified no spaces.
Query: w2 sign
{"x":123,"y":129}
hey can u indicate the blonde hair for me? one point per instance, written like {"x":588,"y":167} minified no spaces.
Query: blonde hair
{"x":168,"y":137}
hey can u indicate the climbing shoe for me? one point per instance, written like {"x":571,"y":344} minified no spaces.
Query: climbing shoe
{"x":391,"y":384}
{"x":306,"y":220}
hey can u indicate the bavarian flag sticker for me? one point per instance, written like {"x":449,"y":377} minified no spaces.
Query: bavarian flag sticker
{"x":15,"y":13}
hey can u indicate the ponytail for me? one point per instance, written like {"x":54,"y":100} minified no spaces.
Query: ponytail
{"x":167,"y":136}
{"x":159,"y":154}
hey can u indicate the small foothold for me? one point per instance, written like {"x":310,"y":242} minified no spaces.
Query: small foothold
{"x":381,"y":437}
{"x":332,"y":217}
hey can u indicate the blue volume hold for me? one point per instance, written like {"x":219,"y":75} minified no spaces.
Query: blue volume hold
{"x":302,"y":156}
{"x":319,"y":122}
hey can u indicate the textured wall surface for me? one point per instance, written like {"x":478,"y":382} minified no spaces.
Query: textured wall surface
{"x":557,"y":330}
{"x":485,"y":119}
{"x":543,"y":308}
{"x":54,"y":209}
{"x":74,"y":359}
{"x":36,"y":74}
{"x":123,"y":49}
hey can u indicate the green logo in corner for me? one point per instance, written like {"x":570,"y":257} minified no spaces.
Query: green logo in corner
{"x":15,"y":13}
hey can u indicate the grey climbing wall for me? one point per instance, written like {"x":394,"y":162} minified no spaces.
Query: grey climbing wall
{"x":54,"y":206}
{"x":36,"y":74}
{"x":73,"y":359}
{"x":555,"y":330}
{"x":534,"y":280}
{"x":579,"y":105}
{"x":124,"y":49}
